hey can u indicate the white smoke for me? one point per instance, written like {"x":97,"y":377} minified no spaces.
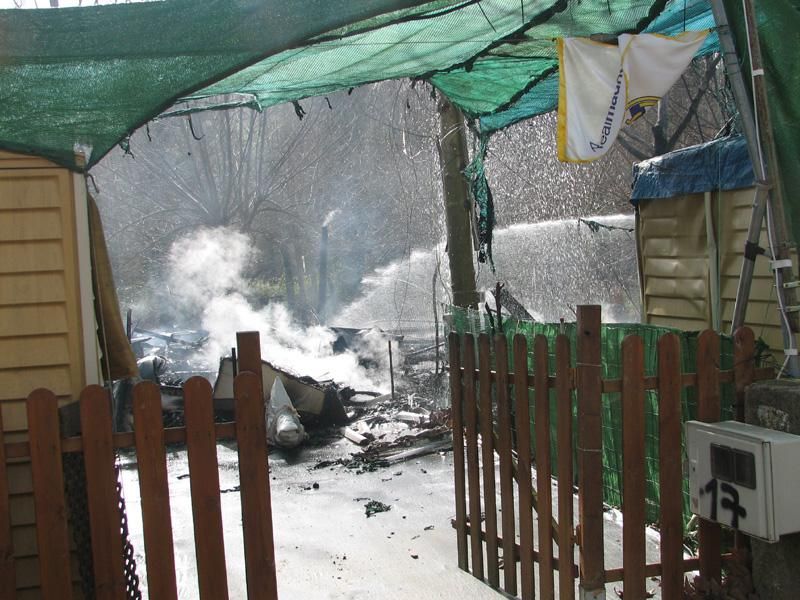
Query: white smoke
{"x":207,"y":276}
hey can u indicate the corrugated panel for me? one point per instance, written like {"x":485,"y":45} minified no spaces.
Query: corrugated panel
{"x":673,"y":288}
{"x":676,"y":269}
{"x":681,"y":267}
{"x":672,"y":243}
{"x":682,"y":307}
{"x":678,"y":322}
{"x":762,"y":310}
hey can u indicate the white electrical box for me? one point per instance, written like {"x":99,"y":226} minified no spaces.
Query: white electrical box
{"x":745,"y":477}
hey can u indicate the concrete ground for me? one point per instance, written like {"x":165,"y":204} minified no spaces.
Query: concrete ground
{"x":325,"y":545}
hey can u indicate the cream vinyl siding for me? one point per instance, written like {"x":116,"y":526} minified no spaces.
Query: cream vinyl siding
{"x":675,"y":263}
{"x":41,"y":324}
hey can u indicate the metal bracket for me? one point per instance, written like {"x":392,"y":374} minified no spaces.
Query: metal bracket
{"x":785,"y":263}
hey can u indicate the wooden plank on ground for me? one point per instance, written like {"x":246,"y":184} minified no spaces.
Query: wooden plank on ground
{"x":590,"y":448}
{"x":544,"y":490}
{"x":154,"y":491}
{"x":101,"y":493}
{"x":487,"y":457}
{"x":201,"y":446}
{"x":670,"y":465}
{"x":522,"y":415}
{"x":8,"y":578}
{"x":48,"y":495}
{"x":566,"y":579}
{"x":708,"y":411}
{"x":633,"y":473}
{"x":457,"y":402}
{"x":473,"y":468}
{"x":251,"y":436}
{"x":506,"y":469}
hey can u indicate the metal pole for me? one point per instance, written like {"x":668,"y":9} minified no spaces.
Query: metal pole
{"x":391,"y":368}
{"x":764,"y":199}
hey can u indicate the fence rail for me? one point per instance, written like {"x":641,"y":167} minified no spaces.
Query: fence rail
{"x":487,"y":402}
{"x":98,"y":444}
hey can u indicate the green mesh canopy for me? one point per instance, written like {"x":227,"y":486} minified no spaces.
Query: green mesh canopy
{"x":92,"y":75}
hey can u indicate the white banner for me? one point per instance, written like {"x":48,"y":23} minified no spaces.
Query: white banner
{"x":603,"y":87}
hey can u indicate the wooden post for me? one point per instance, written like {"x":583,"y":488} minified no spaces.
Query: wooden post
{"x":47,"y":474}
{"x":522,"y":412}
{"x":101,"y":492}
{"x":251,"y":437}
{"x":8,"y":577}
{"x":544,"y":490}
{"x":633,"y":473}
{"x":506,"y":466}
{"x":566,"y":579}
{"x":452,"y":145}
{"x":201,"y":447}
{"x":456,"y":399}
{"x":154,"y":491}
{"x":473,"y":468}
{"x":590,"y":458}
{"x":708,"y":411}
{"x":487,"y":457}
{"x":670,"y":465}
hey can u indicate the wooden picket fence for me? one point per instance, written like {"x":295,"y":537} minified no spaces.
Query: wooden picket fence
{"x":482,"y":426}
{"x":98,"y":444}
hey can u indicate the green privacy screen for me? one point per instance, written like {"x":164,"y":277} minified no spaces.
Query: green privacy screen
{"x":474,"y":322}
{"x":92,"y":75}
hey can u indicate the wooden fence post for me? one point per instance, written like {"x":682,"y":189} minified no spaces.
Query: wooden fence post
{"x":566,"y":578}
{"x":8,"y":577}
{"x":456,"y":399}
{"x":487,"y":457}
{"x":506,"y":467}
{"x":473,"y":468}
{"x":633,"y":473}
{"x":670,"y":465}
{"x":708,"y":411}
{"x":523,"y":418}
{"x":544,"y":490}
{"x":48,"y":495}
{"x":154,"y":491}
{"x":590,"y":458}
{"x":101,"y":493}
{"x":201,"y":448}
{"x":251,"y":438}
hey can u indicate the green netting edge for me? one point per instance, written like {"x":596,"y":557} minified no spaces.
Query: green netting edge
{"x":475,"y":322}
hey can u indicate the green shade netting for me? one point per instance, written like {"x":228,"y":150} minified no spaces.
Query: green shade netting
{"x":91,"y":75}
{"x":469,"y":321}
{"x":779,"y":33}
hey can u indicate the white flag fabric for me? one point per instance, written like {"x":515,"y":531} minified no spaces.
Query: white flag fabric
{"x":603,"y":87}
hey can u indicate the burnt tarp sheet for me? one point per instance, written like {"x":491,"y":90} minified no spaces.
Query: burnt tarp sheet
{"x":722,"y":164}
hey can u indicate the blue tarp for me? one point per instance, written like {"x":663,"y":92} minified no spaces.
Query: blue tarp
{"x":723,"y":164}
